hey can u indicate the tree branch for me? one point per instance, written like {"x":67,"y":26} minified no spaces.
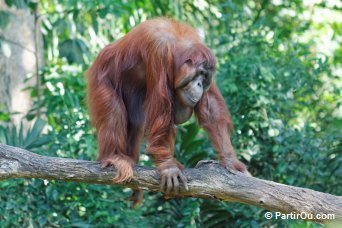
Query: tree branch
{"x":207,"y":180}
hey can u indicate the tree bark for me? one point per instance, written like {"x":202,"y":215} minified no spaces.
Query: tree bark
{"x":207,"y":180}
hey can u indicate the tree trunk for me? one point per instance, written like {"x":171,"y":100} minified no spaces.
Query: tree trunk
{"x":21,"y":55}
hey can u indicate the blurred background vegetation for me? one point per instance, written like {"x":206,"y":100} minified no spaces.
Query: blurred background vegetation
{"x":279,"y":69}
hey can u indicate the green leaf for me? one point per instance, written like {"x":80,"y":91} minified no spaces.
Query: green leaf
{"x":34,"y":134}
{"x":73,"y":50}
{"x":266,"y":73}
{"x":190,"y":134}
{"x":5,"y":18}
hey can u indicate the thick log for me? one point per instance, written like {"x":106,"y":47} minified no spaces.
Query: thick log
{"x":207,"y":180}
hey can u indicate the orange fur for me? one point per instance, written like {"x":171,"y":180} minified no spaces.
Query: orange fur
{"x":123,"y":165}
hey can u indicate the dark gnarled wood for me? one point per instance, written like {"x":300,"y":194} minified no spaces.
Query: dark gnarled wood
{"x":207,"y":180}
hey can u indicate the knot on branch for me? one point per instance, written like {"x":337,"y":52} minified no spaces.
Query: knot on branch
{"x":213,"y":166}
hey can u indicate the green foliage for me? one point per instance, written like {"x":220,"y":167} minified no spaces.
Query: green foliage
{"x":4,"y":116}
{"x":283,"y":92}
{"x":190,"y":149}
{"x":4,"y":19}
{"x":73,"y":50}
{"x":31,"y":140}
{"x":22,"y":4}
